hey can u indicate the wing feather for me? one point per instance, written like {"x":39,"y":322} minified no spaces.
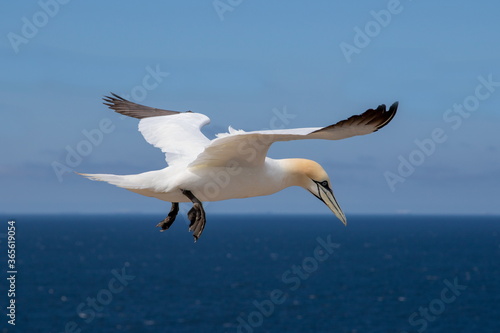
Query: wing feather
{"x":370,"y":121}
{"x":250,"y":148}
{"x":131,"y":109}
{"x":177,"y":134}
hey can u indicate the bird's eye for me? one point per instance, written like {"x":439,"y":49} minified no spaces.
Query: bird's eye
{"x":324,"y":183}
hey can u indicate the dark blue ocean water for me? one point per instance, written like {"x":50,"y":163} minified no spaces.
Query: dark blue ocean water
{"x":270,"y":273}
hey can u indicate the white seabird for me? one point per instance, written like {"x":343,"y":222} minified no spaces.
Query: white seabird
{"x":233,"y":165}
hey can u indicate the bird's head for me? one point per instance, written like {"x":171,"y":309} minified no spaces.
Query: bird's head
{"x":312,"y":177}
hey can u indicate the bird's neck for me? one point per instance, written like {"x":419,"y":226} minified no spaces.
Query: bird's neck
{"x":293,"y":171}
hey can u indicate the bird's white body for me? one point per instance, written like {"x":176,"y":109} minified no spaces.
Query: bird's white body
{"x":233,"y":165}
{"x":207,"y":183}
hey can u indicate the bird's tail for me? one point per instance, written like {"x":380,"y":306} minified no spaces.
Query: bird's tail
{"x":124,"y":181}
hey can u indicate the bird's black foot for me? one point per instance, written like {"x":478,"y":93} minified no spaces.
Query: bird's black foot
{"x":196,"y":215}
{"x":167,"y":222}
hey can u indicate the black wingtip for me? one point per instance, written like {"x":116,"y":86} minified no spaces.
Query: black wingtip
{"x":118,"y":97}
{"x":131,"y":109}
{"x":381,"y":108}
{"x":390,"y":113}
{"x":111,"y":100}
{"x":394,"y":107}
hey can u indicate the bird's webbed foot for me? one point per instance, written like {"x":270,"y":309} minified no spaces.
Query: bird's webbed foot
{"x":169,"y":220}
{"x":197,"y":220}
{"x":196,"y":215}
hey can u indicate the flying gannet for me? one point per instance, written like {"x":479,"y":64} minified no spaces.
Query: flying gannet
{"x":233,"y":165}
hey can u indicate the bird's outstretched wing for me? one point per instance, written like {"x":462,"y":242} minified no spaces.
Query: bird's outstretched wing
{"x":177,"y":134}
{"x":239,"y":148}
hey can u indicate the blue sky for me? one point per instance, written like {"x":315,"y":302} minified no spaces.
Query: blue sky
{"x":241,"y":63}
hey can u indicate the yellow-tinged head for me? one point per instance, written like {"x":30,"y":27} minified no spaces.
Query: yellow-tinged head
{"x":311,"y":176}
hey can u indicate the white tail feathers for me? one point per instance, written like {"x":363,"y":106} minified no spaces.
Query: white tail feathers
{"x":125,"y":181}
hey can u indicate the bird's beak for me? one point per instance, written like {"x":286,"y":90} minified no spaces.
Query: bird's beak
{"x":325,"y":194}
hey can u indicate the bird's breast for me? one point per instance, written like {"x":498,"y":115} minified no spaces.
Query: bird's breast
{"x":215,"y":184}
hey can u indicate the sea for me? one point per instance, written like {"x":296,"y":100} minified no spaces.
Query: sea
{"x":251,"y":273}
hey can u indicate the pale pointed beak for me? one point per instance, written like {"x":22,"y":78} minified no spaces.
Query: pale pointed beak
{"x":326,"y":195}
